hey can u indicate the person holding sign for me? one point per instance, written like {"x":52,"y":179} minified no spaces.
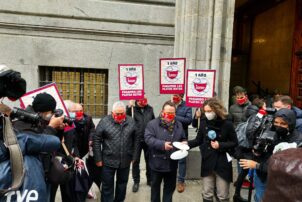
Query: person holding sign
{"x":160,"y":133}
{"x":216,"y":136}
{"x":115,"y":146}
{"x":142,"y":114}
{"x":184,"y":116}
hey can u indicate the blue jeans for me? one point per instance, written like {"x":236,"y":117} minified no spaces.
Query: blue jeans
{"x":182,"y":168}
{"x":108,"y":174}
{"x":259,"y":188}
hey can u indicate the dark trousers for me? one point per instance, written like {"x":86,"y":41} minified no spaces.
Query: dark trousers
{"x":169,"y":185}
{"x":95,"y":172}
{"x":240,"y":180}
{"x":108,"y":174}
{"x":135,"y":165}
{"x":67,"y":194}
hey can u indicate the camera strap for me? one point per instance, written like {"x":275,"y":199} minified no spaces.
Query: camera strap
{"x":16,"y":157}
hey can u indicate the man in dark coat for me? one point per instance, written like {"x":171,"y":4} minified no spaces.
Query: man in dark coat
{"x":238,"y":110}
{"x":142,"y":114}
{"x":184,"y":116}
{"x":84,"y":127}
{"x":115,"y":146}
{"x":159,"y":135}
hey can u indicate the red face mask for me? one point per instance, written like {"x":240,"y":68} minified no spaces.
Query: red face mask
{"x":262,"y":111}
{"x":142,"y":102}
{"x":241,"y":101}
{"x":176,"y":99}
{"x":119,"y":118}
{"x":79,"y":115}
{"x":168,"y":117}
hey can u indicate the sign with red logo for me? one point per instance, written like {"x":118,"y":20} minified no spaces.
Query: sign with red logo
{"x":172,"y":75}
{"x":131,"y":81}
{"x":200,"y":86}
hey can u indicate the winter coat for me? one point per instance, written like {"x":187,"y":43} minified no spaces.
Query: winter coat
{"x":184,"y":116}
{"x":116,"y":145}
{"x":155,"y":138}
{"x":238,"y":113}
{"x":84,"y":130}
{"x":251,"y":110}
{"x":142,"y":116}
{"x":34,"y":186}
{"x":216,"y":160}
{"x":298,"y":113}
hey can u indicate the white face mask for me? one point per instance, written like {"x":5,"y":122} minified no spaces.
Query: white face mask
{"x":210,"y":115}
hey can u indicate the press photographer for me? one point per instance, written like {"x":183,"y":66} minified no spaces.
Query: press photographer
{"x":44,"y":118}
{"x":21,"y":172}
{"x":282,"y":130}
{"x":43,"y":105}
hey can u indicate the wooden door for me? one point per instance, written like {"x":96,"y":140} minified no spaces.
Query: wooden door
{"x":296,"y":70}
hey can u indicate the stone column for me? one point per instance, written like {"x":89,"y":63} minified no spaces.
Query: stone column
{"x":203,"y":34}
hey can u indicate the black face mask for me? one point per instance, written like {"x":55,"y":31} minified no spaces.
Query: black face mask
{"x":281,"y":132}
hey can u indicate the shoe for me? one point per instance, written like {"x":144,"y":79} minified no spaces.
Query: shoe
{"x":180,"y":187}
{"x":238,"y":198}
{"x":135,"y":187}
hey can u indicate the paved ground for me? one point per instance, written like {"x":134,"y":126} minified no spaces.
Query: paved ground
{"x":191,"y":194}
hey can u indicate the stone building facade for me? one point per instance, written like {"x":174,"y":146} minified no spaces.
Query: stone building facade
{"x":100,"y":34}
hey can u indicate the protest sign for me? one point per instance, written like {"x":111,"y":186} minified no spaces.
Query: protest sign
{"x":172,"y":75}
{"x":200,"y":86}
{"x":131,"y":81}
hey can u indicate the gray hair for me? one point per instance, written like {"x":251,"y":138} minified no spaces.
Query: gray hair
{"x":118,"y":104}
{"x":69,"y":104}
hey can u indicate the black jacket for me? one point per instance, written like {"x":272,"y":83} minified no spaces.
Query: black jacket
{"x":216,"y":160}
{"x":84,"y":130}
{"x":155,"y":138}
{"x":141,"y":116}
{"x":115,"y":144}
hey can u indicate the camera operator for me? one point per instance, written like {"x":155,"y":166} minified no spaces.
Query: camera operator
{"x":45,"y":105}
{"x":283,"y":130}
{"x":255,"y":115}
{"x":28,"y":171}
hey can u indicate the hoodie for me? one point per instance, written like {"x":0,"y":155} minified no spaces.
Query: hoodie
{"x":298,"y":113}
{"x":290,"y":118}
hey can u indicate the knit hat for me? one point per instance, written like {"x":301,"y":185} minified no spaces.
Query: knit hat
{"x":44,"y":102}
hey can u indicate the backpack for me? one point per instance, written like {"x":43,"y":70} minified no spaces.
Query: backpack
{"x":241,"y":134}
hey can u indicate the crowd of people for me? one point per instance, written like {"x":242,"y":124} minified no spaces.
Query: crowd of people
{"x":116,"y":143}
